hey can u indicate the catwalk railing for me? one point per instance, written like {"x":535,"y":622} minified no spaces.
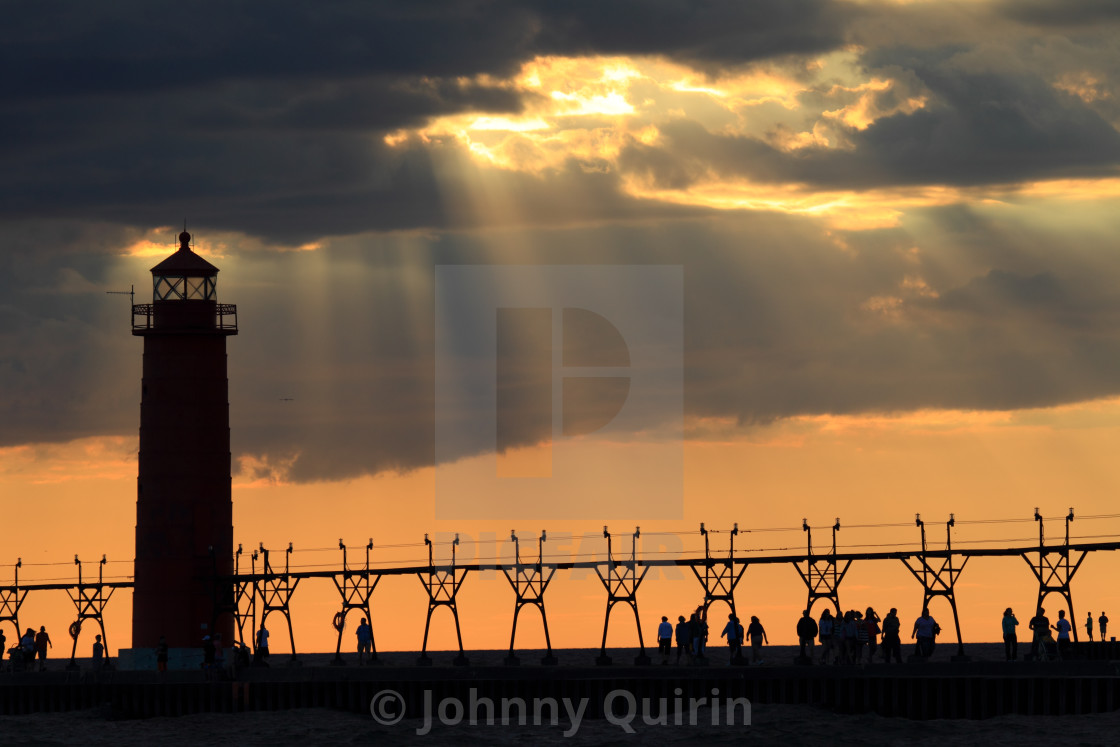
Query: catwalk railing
{"x":267,"y":589}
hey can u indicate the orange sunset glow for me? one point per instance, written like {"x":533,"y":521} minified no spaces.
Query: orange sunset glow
{"x":892,"y":237}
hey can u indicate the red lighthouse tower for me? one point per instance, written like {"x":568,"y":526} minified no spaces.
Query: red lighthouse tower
{"x":184,"y":506}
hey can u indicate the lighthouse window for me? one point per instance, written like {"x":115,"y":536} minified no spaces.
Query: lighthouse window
{"x":169,"y":288}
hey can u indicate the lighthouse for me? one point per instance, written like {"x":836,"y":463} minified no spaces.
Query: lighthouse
{"x":184,"y":505}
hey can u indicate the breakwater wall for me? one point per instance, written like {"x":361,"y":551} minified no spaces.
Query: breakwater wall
{"x":921,"y":691}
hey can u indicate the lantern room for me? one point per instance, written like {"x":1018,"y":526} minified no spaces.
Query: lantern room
{"x":184,"y":276}
{"x":184,"y":296}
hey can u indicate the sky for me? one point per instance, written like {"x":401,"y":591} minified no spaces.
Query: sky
{"x":888,"y":230}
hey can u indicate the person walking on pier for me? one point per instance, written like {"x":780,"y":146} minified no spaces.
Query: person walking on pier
{"x":27,"y":647}
{"x":42,"y":641}
{"x":219,"y":655}
{"x":365,"y":641}
{"x":757,"y":634}
{"x":862,"y":638}
{"x":806,"y":632}
{"x":683,"y":639}
{"x":694,"y":641}
{"x":98,"y":653}
{"x":208,"y":656}
{"x":731,"y":632}
{"x":161,"y":655}
{"x":1089,"y":627}
{"x":925,"y":630}
{"x":848,"y":636}
{"x":698,"y":628}
{"x":1102,"y":622}
{"x":826,"y":628}
{"x":1010,"y":640}
{"x":1063,"y":627}
{"x":262,"y":644}
{"x":664,"y":639}
{"x":1040,"y":628}
{"x":871,"y":620}
{"x":892,"y":641}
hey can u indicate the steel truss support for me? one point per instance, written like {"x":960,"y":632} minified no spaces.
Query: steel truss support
{"x":276,"y":591}
{"x":529,"y":580}
{"x":1055,"y":568}
{"x":90,"y":601}
{"x":11,"y":599}
{"x":442,"y":585}
{"x":720,"y":575}
{"x":939,"y":577}
{"x":621,"y":582}
{"x":822,"y":576}
{"x":355,"y":587}
{"x":229,"y":594}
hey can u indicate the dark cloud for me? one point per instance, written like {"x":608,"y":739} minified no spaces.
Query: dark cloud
{"x":268,"y":120}
{"x":975,"y":129}
{"x":236,"y":113}
{"x":708,"y":33}
{"x":1062,"y":13}
{"x":59,"y":48}
{"x":778,"y":325}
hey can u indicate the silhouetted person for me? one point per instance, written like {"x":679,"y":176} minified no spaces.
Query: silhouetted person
{"x":826,"y":629}
{"x":161,"y":654}
{"x":262,"y":643}
{"x":806,"y":633}
{"x":365,"y":641}
{"x":219,"y":654}
{"x":1102,"y":623}
{"x":757,"y":634}
{"x":3,"y":650}
{"x":27,"y":644}
{"x":871,"y":620}
{"x":208,"y":656}
{"x":684,"y":639}
{"x":1089,"y":626}
{"x":847,"y":637}
{"x":1010,"y":639}
{"x":925,"y":630}
{"x":1063,"y":627}
{"x":731,"y":631}
{"x":702,"y":618}
{"x":696,"y":643}
{"x":862,"y":637}
{"x":892,"y":637}
{"x":1040,"y":628}
{"x":664,"y":639}
{"x":98,"y":653}
{"x":42,"y":642}
{"x":241,"y":655}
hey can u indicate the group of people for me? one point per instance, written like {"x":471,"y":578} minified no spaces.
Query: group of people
{"x":31,"y":646}
{"x":844,"y":639}
{"x":691,"y":636}
{"x":1045,"y":646}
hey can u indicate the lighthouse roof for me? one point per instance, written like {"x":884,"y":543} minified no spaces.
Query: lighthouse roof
{"x":185,"y":262}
